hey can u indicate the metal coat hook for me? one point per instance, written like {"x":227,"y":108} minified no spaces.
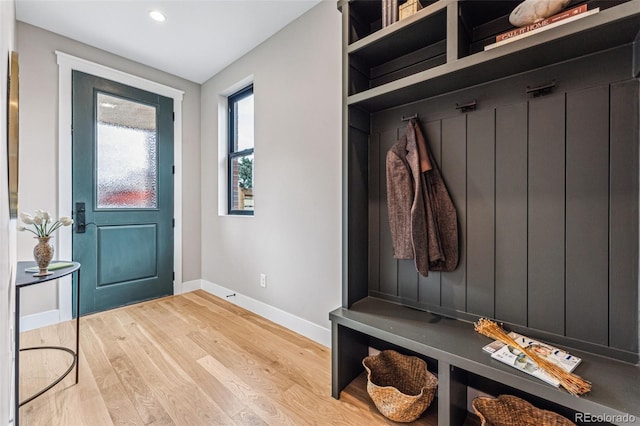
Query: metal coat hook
{"x":469,"y":106}
{"x":542,"y":90}
{"x":410,"y":117}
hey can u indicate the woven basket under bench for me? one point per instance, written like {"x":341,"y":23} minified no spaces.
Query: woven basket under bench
{"x":400,"y":386}
{"x":508,"y":410}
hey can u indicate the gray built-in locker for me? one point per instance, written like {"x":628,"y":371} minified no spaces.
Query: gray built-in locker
{"x":546,"y":190}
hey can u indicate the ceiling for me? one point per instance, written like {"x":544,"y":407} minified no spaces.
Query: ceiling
{"x":198,"y":39}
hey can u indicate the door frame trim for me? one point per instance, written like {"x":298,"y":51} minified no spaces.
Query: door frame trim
{"x":66,"y":64}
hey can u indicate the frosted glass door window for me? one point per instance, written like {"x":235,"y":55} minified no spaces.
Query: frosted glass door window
{"x":126,"y":150}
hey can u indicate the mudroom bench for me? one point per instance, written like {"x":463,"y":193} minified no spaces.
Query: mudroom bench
{"x":453,"y":350}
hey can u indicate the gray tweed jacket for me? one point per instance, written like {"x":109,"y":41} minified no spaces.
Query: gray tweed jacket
{"x":423,"y":220}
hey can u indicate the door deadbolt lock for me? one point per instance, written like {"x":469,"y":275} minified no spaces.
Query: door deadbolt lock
{"x":80,"y":218}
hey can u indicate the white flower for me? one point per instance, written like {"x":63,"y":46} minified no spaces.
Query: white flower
{"x":26,"y":218}
{"x":43,"y":225}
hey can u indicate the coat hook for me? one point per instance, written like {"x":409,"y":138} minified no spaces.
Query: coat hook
{"x":469,"y":106}
{"x":541,"y":90}
{"x":410,"y":117}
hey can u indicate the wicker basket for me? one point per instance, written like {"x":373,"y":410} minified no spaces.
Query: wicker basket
{"x":508,"y":410}
{"x":400,"y":386}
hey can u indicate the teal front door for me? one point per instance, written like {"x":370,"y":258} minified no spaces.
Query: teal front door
{"x":122,"y":193}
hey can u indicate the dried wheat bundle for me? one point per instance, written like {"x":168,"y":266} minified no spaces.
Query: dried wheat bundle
{"x":573,"y":383}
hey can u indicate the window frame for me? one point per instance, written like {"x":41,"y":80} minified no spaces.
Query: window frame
{"x":231,"y":153}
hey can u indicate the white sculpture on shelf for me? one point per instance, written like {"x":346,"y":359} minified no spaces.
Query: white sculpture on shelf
{"x":532,"y":11}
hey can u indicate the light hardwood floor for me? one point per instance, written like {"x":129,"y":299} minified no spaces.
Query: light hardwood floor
{"x":191,"y":359}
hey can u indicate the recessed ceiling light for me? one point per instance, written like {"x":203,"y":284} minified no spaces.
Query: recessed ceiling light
{"x":156,"y":15}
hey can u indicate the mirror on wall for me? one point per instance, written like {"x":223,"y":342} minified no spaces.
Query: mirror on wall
{"x":12,"y":132}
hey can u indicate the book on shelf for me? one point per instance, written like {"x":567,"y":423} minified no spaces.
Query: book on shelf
{"x":513,"y":357}
{"x":53,"y":266}
{"x":550,"y":20}
{"x":394,"y":12}
{"x":561,"y":18}
{"x":408,"y":8}
{"x":385,"y":12}
{"x":389,"y":12}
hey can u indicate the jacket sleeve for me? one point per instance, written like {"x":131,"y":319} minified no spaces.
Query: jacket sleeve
{"x":399,"y":199}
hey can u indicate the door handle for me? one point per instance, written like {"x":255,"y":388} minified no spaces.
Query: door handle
{"x":80,"y":218}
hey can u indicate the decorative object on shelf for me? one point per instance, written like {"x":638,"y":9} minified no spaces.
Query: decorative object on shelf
{"x":565,"y":14}
{"x":561,"y":18}
{"x":508,"y":410}
{"x":532,"y":11}
{"x":516,"y":359}
{"x":573,"y":383}
{"x":43,"y":253}
{"x":400,"y":386}
{"x":42,"y":226}
{"x":409,"y":8}
{"x":422,"y":217}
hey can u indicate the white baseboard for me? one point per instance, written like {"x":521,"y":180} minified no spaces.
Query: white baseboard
{"x":188,"y":286}
{"x":41,"y":319}
{"x":299,"y":325}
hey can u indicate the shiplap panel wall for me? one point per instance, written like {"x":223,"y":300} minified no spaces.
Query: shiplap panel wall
{"x":511,"y":213}
{"x":587,"y":224}
{"x":453,"y":167}
{"x":546,"y":192}
{"x":623,"y":223}
{"x":546,"y":214}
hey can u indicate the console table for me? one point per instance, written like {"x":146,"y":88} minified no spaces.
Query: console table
{"x":26,"y":279}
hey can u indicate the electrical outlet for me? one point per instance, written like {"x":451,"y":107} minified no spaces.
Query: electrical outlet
{"x":263,"y":280}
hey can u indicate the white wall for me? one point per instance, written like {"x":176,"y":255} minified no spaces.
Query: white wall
{"x":7,"y":233}
{"x":295,"y":234}
{"x":39,"y":145}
